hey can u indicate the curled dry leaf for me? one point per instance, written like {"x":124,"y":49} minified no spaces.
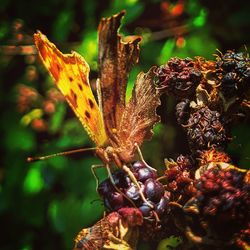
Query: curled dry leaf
{"x":118,"y":230}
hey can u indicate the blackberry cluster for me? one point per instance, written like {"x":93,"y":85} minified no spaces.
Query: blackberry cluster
{"x":223,"y":196}
{"x":204,"y":129}
{"x":218,"y":212}
{"x":179,"y":177}
{"x":204,"y":198}
{"x":179,"y":77}
{"x":211,"y":200}
{"x":127,"y":191}
{"x":234,"y":73}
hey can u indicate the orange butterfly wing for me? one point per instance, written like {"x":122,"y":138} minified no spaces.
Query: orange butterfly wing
{"x":71,"y":74}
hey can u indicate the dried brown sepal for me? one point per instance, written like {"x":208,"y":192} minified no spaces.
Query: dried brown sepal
{"x":213,"y":155}
{"x":242,"y":239}
{"x":118,"y":230}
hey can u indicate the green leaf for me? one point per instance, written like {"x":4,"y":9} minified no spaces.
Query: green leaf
{"x":3,"y":29}
{"x":88,"y":48}
{"x":62,"y":25}
{"x":167,"y":51}
{"x":58,"y":163}
{"x":131,"y":81}
{"x":134,"y":8}
{"x":73,"y":135}
{"x":82,"y":181}
{"x":200,"y":20}
{"x":19,"y":138}
{"x":169,"y":243}
{"x":158,"y":128}
{"x":70,"y":215}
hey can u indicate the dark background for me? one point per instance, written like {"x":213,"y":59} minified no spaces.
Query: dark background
{"x":44,"y":204}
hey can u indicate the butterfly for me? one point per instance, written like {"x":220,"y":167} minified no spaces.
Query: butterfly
{"x":117,"y":127}
{"x":114,"y":231}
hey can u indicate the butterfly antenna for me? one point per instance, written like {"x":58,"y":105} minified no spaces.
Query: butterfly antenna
{"x":41,"y":158}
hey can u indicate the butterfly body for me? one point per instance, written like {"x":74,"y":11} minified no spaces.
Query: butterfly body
{"x":111,"y":155}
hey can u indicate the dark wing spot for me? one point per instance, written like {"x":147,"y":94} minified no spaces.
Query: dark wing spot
{"x":72,"y":98}
{"x":55,"y":70}
{"x":80,"y":86}
{"x":58,"y":67}
{"x":84,"y":79}
{"x":87,"y":114}
{"x":42,"y":49}
{"x":70,"y":79}
{"x":91,"y":104}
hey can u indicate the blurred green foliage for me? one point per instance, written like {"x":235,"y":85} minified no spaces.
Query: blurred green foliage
{"x":44,"y":204}
{"x":169,"y":243}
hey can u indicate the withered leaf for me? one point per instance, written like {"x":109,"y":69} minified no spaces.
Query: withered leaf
{"x":111,"y":232}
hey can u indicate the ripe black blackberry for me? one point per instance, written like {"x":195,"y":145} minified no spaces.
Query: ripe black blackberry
{"x":179,"y":77}
{"x":153,"y":190}
{"x":205,"y":129}
{"x":234,"y":73}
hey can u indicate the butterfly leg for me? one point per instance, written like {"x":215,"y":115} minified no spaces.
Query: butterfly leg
{"x":134,"y":180}
{"x":93,"y":170}
{"x":141,"y":157}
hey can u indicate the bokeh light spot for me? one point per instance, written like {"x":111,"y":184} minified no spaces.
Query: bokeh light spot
{"x":169,"y":243}
{"x":200,"y":20}
{"x":180,"y":42}
{"x":33,"y":182}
